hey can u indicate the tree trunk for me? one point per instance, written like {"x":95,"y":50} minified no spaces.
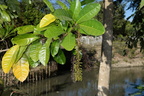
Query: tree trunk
{"x":105,"y":65}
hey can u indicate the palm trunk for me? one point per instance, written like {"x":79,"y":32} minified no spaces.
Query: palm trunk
{"x":105,"y":65}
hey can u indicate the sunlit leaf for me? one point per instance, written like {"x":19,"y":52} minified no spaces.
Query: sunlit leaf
{"x":34,"y":50}
{"x":69,"y":42}
{"x":9,"y":58}
{"x":31,"y":62}
{"x":142,"y":4}
{"x":21,"y":69}
{"x":53,"y":31}
{"x":3,"y":7}
{"x":46,"y":20}
{"x":88,"y":12}
{"x":44,"y":53}
{"x":60,"y":57}
{"x":92,"y":27}
{"x":24,"y":39}
{"x":25,"y":29}
{"x":75,"y":8}
{"x":62,"y":15}
{"x":55,"y":47}
{"x":5,"y":16}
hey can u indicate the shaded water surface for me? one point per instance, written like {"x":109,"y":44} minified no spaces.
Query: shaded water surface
{"x":123,"y":83}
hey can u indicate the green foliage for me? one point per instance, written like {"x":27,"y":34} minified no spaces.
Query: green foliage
{"x":44,"y":53}
{"x":59,"y":30}
{"x":50,"y":6}
{"x":75,"y":8}
{"x":5,"y":32}
{"x":55,"y":47}
{"x":60,"y":57}
{"x":24,"y":29}
{"x":63,"y":15}
{"x":69,"y":42}
{"x":53,"y":31}
{"x":91,"y":27}
{"x":88,"y":12}
{"x":62,"y":5}
{"x":136,"y":38}
{"x":24,"y":39}
{"x":119,"y":22}
{"x":34,"y":49}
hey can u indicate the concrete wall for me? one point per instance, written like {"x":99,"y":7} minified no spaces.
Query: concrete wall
{"x":90,"y":40}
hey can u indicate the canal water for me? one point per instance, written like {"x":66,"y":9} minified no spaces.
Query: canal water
{"x":124,"y":82}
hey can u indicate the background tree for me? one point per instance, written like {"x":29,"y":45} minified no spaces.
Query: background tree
{"x":20,"y":12}
{"x":136,"y":37}
{"x":119,"y":21}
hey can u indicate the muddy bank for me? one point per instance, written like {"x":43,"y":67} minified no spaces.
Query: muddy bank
{"x":135,"y":62}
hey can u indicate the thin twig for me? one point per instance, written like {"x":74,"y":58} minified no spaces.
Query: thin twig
{"x":3,"y":50}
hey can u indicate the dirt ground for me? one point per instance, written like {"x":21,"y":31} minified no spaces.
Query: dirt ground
{"x":125,"y":57}
{"x":122,"y":55}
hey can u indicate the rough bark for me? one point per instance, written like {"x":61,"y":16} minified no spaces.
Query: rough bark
{"x":105,"y":65}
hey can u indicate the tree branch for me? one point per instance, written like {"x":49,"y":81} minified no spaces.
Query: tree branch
{"x":3,"y":50}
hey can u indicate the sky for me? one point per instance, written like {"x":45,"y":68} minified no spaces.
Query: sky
{"x":128,"y":12}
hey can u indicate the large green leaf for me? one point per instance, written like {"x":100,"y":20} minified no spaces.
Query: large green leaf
{"x":60,"y":57}
{"x":92,"y":27}
{"x":21,"y":69}
{"x":55,"y":47}
{"x":21,"y":51}
{"x":62,"y":14}
{"x":53,"y":31}
{"x":46,"y":20}
{"x":34,"y":50}
{"x":38,"y":30}
{"x":24,"y":39}
{"x":32,"y":63}
{"x":88,"y":12}
{"x":44,"y":53}
{"x":62,"y":5}
{"x":69,"y":1}
{"x":75,"y":8}
{"x":9,"y":58}
{"x":69,"y":42}
{"x":25,"y":29}
{"x":86,"y":1}
{"x":49,"y":4}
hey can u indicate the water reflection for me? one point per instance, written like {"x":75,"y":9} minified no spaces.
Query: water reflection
{"x":122,"y":83}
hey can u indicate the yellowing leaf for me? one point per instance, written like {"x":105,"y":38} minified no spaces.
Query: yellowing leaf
{"x":46,"y":20}
{"x":9,"y":58}
{"x":21,"y":69}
